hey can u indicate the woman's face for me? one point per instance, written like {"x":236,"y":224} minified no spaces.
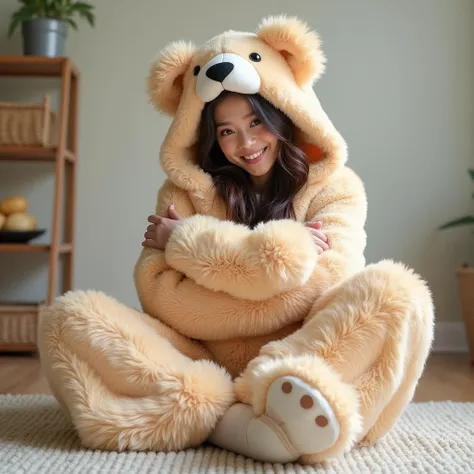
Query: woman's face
{"x":244,"y":140}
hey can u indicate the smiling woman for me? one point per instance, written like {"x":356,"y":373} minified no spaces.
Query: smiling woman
{"x":244,"y":139}
{"x":246,"y":145}
{"x":256,"y":334}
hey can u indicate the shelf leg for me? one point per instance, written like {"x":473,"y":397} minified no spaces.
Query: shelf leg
{"x":71,"y":186}
{"x":59,"y":180}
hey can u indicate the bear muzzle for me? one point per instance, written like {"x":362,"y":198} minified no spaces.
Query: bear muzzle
{"x":227,"y":71}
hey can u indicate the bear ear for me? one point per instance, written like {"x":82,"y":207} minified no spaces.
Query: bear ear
{"x":300,"y":46}
{"x":165,"y":80}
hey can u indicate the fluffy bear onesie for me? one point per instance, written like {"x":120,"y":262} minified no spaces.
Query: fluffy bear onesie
{"x":247,"y":337}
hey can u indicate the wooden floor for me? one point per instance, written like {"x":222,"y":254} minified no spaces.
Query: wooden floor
{"x":447,"y":377}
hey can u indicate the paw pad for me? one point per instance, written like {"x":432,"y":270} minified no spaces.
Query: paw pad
{"x":306,"y":402}
{"x":321,"y":421}
{"x":304,"y":414}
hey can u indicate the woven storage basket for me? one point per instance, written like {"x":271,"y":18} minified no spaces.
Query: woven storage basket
{"x":465,"y":277}
{"x":24,"y":124}
{"x":18,"y":324}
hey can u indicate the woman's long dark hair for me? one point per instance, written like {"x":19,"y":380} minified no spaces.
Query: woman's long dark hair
{"x":234,"y":185}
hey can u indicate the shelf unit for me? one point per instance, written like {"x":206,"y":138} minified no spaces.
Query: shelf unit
{"x":64,"y":158}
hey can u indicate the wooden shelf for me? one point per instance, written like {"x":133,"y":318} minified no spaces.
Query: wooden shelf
{"x":18,"y":322}
{"x":11,"y":65}
{"x":29,"y":153}
{"x":18,"y":347}
{"x":20,"y":306}
{"x":63,"y":248}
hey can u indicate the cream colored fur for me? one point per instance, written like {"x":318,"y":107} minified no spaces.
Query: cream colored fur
{"x":274,"y":257}
{"x":227,"y":310}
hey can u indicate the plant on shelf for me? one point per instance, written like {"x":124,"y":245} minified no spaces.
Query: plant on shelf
{"x":465,"y":278}
{"x":461,"y":221}
{"x":44,"y":24}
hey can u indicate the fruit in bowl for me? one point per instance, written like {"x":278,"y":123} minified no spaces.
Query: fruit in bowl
{"x":16,"y":224}
{"x":13,"y":204}
{"x":14,"y":215}
{"x":20,"y":221}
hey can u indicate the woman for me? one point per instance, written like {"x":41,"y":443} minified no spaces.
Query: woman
{"x":262,"y":329}
{"x":246,"y":145}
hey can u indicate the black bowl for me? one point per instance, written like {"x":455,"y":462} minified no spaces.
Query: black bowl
{"x":19,"y":236}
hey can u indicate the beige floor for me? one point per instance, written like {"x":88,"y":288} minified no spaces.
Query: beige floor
{"x":447,"y":377}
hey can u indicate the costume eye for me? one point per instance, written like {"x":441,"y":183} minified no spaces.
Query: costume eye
{"x":255,"y":57}
{"x":196,"y":70}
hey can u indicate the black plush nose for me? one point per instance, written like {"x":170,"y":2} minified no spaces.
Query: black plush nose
{"x":219,"y":71}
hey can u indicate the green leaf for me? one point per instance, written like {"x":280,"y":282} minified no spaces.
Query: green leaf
{"x":13,"y":26}
{"x":57,"y":9}
{"x":83,"y":6}
{"x":84,"y":11}
{"x":27,"y":12}
{"x":90,"y":18}
{"x":466,"y":220}
{"x":72,"y":23}
{"x":41,"y":7}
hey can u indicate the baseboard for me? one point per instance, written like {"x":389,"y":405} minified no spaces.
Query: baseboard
{"x":450,"y":337}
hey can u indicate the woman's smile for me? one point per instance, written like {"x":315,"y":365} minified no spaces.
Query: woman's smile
{"x":255,"y":158}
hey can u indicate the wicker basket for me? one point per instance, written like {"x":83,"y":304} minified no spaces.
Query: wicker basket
{"x":465,"y":277}
{"x":18,"y":324}
{"x":23,"y":124}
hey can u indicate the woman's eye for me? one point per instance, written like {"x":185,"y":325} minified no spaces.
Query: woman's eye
{"x":226,"y":132}
{"x":255,"y":122}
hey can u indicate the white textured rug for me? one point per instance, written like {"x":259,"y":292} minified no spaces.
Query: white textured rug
{"x":35,"y":437}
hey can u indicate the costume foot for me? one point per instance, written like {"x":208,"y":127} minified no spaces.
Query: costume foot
{"x":298,"y":421}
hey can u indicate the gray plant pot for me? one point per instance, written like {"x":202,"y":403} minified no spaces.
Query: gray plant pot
{"x":44,"y":37}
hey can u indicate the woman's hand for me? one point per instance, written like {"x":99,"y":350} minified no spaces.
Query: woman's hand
{"x":319,"y":237}
{"x":160,"y":228}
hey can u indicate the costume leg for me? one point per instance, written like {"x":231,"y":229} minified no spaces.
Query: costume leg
{"x":126,"y":380}
{"x":346,"y":375}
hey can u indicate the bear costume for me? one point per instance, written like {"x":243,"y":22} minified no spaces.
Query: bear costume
{"x":247,"y":337}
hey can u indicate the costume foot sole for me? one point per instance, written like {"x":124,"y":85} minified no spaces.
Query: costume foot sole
{"x":298,"y":421}
{"x":259,"y":438}
{"x":303,"y":413}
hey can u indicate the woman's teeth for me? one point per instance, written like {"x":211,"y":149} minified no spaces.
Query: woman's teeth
{"x":255,"y":155}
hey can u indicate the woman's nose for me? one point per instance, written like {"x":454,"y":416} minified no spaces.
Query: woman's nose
{"x":245,"y":139}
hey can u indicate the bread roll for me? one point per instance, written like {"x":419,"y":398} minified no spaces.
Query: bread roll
{"x":13,"y":204}
{"x":20,"y":221}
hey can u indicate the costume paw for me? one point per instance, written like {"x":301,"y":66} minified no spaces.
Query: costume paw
{"x":298,"y":421}
{"x":303,"y":413}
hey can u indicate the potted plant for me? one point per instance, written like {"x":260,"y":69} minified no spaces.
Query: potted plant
{"x":465,"y":278}
{"x":44,"y":24}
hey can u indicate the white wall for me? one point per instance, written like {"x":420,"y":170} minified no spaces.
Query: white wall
{"x":398,"y":86}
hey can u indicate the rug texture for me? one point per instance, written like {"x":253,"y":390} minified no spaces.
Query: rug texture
{"x":36,"y":437}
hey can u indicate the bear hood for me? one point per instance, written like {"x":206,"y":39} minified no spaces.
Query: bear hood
{"x":281,"y":61}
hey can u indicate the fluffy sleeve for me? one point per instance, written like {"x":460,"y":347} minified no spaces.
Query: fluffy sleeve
{"x":249,"y":264}
{"x":342,"y":208}
{"x":277,"y":256}
{"x":222,"y":256}
{"x":193,"y":309}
